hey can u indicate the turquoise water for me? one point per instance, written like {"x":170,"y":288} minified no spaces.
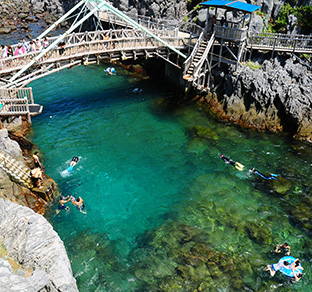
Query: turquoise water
{"x":164,"y":212}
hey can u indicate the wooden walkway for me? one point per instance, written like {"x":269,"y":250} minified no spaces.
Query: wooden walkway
{"x":280,"y":42}
{"x":81,"y":48}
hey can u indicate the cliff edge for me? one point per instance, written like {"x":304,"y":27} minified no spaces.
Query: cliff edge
{"x":32,"y":243}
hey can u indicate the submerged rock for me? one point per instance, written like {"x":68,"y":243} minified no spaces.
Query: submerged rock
{"x":204,"y":132}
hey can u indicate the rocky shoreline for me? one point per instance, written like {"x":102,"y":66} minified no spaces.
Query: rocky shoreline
{"x":32,"y":256}
{"x":19,"y":14}
{"x":41,"y":262}
{"x":266,"y":94}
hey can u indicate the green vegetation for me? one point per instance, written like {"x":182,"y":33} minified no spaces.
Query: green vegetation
{"x":253,"y":65}
{"x":304,"y":15}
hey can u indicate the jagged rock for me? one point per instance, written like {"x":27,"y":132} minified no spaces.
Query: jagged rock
{"x":5,"y":30}
{"x":31,"y":241}
{"x":276,"y":95}
{"x":9,"y":146}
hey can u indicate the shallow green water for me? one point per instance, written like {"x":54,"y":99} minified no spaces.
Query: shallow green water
{"x":164,"y":212}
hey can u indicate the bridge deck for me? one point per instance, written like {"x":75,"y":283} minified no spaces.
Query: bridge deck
{"x":81,"y":46}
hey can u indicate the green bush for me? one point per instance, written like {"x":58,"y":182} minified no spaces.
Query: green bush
{"x":252,"y":65}
{"x":304,"y":15}
{"x":304,"y":22}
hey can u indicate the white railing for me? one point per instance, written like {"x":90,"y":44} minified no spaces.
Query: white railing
{"x":146,"y":21}
{"x":280,"y":41}
{"x":88,"y":43}
{"x":204,"y":57}
{"x":15,"y":101}
{"x":229,"y":33}
{"x":191,"y":57}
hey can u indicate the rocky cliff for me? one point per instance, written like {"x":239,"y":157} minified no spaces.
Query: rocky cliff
{"x":266,"y":94}
{"x":33,"y":257}
{"x":12,"y":190}
{"x":17,"y":14}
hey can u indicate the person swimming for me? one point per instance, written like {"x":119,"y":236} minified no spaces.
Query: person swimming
{"x":79,"y":204}
{"x":237,"y":165}
{"x":61,"y":205}
{"x":74,"y":161}
{"x":72,"y":164}
{"x":272,"y":175}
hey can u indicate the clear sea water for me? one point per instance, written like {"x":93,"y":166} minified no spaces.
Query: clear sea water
{"x":145,"y":173}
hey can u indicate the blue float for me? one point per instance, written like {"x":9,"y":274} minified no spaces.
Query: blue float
{"x":288,"y":272}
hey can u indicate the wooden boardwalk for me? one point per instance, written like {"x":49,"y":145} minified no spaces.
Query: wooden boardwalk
{"x":280,"y":42}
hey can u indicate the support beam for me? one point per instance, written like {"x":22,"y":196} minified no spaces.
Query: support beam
{"x":51,"y":46}
{"x":136,"y":25}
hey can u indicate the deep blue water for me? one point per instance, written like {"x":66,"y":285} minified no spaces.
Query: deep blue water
{"x":145,"y":170}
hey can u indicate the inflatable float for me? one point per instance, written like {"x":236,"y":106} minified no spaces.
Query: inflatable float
{"x":288,"y":272}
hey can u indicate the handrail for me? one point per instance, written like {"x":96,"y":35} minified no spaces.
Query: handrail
{"x":191,"y":57}
{"x":204,"y":56}
{"x":15,"y":100}
{"x":296,"y":43}
{"x":80,"y":45}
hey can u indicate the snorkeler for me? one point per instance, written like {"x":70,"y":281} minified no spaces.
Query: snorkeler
{"x":73,"y":162}
{"x":283,"y":248}
{"x":272,"y":175}
{"x":237,"y":165}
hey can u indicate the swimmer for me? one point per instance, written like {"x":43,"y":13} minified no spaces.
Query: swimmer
{"x":79,"y":205}
{"x":237,"y":165}
{"x":275,"y":267}
{"x":296,"y":270}
{"x":272,"y":175}
{"x":62,"y":202}
{"x":110,"y":70}
{"x":74,"y":161}
{"x":283,"y":248}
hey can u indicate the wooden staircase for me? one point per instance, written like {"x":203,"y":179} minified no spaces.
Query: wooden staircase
{"x":197,"y":67}
{"x":20,"y":173}
{"x":198,"y":55}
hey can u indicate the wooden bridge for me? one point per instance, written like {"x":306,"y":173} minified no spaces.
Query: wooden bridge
{"x":141,"y":37}
{"x":86,"y":47}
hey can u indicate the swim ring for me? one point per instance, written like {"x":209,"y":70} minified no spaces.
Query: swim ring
{"x":288,"y":272}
